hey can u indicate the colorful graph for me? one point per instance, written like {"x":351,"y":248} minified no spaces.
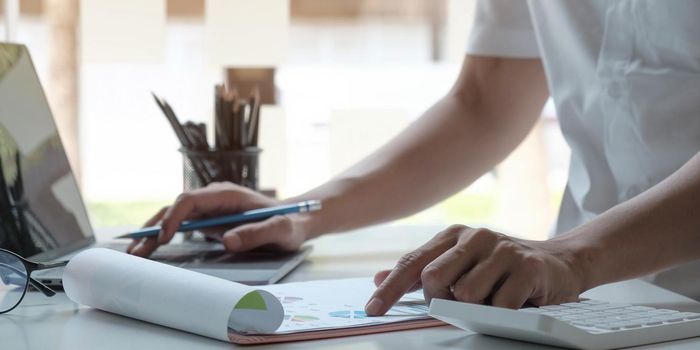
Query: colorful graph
{"x":348,"y":314}
{"x":304,"y":318}
{"x":289,"y":300}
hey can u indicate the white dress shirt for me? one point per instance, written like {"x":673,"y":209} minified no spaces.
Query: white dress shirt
{"x":625,"y":79}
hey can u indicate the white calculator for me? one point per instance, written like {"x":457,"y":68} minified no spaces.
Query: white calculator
{"x":587,"y":324}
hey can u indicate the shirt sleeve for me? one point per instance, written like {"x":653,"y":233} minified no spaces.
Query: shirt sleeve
{"x":503,"y":28}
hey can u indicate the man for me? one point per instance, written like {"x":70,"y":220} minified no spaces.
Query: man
{"x":625,"y":77}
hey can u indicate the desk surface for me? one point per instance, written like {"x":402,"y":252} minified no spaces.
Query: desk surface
{"x":56,"y":323}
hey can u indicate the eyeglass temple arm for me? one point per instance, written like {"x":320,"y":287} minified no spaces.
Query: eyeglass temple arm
{"x":43,"y":266}
{"x":40,"y":286}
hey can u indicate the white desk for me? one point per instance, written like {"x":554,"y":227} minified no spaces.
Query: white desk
{"x":56,"y":323}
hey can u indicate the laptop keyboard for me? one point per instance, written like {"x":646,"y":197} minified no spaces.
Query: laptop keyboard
{"x":175,"y":253}
{"x":210,"y":254}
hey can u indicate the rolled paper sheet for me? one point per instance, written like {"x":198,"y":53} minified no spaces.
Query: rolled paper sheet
{"x":170,"y":296}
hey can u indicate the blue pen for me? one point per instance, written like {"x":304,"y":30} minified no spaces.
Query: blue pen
{"x":246,"y":216}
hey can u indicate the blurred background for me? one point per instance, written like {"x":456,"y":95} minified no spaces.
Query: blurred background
{"x":343,"y":77}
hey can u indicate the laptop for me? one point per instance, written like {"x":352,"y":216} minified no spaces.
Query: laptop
{"x":42,"y":213}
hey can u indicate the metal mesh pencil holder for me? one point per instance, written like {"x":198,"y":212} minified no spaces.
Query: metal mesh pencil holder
{"x":202,"y":167}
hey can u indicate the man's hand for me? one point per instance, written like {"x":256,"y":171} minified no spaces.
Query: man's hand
{"x":484,"y":267}
{"x":284,"y":232}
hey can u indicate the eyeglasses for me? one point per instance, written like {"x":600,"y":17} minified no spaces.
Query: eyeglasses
{"x":15,"y":278}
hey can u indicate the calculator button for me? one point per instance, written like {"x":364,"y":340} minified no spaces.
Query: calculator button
{"x":604,"y":307}
{"x":533,"y":310}
{"x":668,"y":318}
{"x":689,"y":315}
{"x":573,"y":304}
{"x":609,"y":327}
{"x":632,"y":325}
{"x":554,"y":307}
{"x":663,"y":311}
{"x":555,"y":313}
{"x":577,"y":311}
{"x":639,"y":308}
{"x":617,"y":311}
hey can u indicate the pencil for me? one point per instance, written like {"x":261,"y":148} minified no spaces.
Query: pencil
{"x":241,"y":126}
{"x":253,"y":120}
{"x":217,"y":118}
{"x":246,"y":216}
{"x":181,"y":134}
{"x":234,"y":127}
{"x":197,"y":136}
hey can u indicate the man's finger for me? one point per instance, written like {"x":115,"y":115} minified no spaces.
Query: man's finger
{"x":213,"y":199}
{"x":156,"y":218}
{"x":173,"y":216}
{"x":407,"y":272}
{"x":380,"y":276}
{"x":441,"y":274}
{"x":150,"y":222}
{"x":477,"y":284}
{"x":514,"y":292}
{"x":191,"y":205}
{"x":250,"y":236}
{"x":134,"y":243}
{"x":146,"y":247}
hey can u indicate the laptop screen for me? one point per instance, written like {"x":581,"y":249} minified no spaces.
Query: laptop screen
{"x":41,"y":210}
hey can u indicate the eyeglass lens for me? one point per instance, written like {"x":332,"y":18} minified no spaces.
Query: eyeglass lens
{"x":13,"y":281}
